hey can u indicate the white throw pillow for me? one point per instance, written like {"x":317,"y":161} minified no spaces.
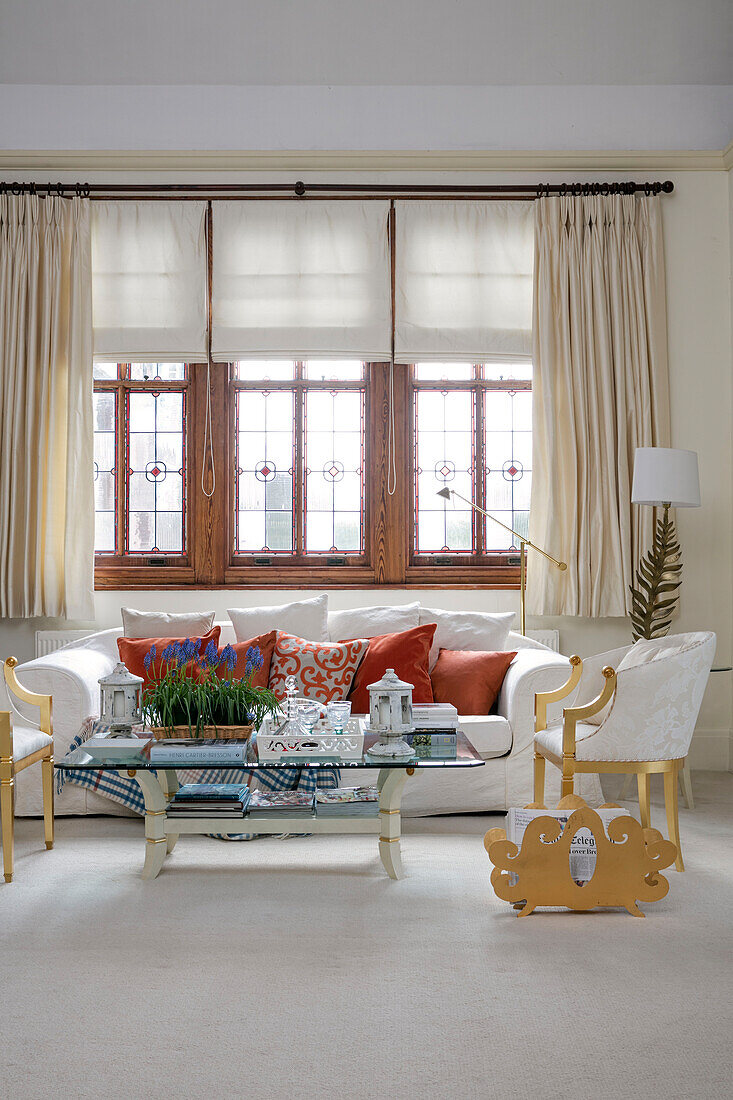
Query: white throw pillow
{"x":467,"y":630}
{"x":306,"y":619}
{"x":646,"y":650}
{"x":165,"y":624}
{"x":370,"y":622}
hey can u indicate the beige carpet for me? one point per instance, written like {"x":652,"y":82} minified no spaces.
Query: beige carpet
{"x":297,"y":969}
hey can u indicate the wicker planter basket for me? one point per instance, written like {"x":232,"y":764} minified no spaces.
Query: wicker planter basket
{"x":220,"y":733}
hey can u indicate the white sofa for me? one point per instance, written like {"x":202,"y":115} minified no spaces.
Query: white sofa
{"x":504,"y":739}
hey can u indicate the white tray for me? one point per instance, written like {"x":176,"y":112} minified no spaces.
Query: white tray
{"x":343,"y":746}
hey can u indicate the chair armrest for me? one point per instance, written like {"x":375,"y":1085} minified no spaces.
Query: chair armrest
{"x":531,"y":671}
{"x":70,"y":676}
{"x":35,"y":699}
{"x":542,"y":699}
{"x":572,"y":715}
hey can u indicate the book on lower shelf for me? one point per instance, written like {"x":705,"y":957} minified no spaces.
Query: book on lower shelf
{"x":347,"y":802}
{"x":210,"y":800}
{"x":276,"y":803}
{"x":198,"y":750}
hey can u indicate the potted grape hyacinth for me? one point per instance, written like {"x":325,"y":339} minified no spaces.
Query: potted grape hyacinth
{"x":193,"y":694}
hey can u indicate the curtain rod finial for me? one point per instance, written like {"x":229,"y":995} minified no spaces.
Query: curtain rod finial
{"x":445,"y":493}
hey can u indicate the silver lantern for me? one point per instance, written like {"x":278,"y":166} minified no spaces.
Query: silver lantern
{"x":390,"y":715}
{"x":120,"y":699}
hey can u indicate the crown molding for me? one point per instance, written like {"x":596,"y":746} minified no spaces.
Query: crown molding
{"x":149,"y":160}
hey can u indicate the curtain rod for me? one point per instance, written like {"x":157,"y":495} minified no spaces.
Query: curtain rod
{"x":301,"y":190}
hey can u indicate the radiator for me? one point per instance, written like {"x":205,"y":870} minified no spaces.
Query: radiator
{"x":550,"y":638}
{"x":49,"y":640}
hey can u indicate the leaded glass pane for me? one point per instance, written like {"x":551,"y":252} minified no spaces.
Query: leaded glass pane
{"x":461,"y":372}
{"x":266,"y":370}
{"x":104,"y":372}
{"x":508,"y":464}
{"x":265,"y":462}
{"x":509,"y":370}
{"x":156,"y":472}
{"x":105,"y":474}
{"x":326,"y":370}
{"x":164,"y":372}
{"x":444,"y":456}
{"x":334,"y":472}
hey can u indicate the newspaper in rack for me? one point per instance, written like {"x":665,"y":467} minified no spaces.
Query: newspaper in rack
{"x":583,"y":847}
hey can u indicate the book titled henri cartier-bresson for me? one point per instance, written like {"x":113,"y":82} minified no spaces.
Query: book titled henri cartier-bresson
{"x":196,"y":749}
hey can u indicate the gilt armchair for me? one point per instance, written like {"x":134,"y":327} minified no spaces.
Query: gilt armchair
{"x":641,"y":722}
{"x":20,"y":747}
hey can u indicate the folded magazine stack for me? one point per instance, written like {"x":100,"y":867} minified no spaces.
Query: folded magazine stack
{"x":281,"y":803}
{"x":347,"y":802}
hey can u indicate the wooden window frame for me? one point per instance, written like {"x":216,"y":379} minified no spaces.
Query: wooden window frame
{"x":388,"y":560}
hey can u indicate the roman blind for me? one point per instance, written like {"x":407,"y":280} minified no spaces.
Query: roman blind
{"x":463,"y":280}
{"x":295,"y":279}
{"x":149,"y":281}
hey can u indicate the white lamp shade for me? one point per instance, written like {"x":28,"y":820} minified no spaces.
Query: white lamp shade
{"x":663,"y":475}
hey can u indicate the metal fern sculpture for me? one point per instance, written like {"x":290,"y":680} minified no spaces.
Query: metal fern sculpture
{"x":658,"y":576}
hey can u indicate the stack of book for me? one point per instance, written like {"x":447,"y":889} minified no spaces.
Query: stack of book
{"x":281,"y":804}
{"x":198,"y":750}
{"x":210,"y":800}
{"x":347,"y":802}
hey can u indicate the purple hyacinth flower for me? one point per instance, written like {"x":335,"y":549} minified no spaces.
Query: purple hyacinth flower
{"x":211,"y":654}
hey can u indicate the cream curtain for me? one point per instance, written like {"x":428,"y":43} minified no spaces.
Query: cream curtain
{"x":600,"y":391}
{"x":46,"y":429}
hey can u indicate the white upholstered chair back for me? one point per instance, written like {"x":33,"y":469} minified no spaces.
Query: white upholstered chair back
{"x":659,"y":690}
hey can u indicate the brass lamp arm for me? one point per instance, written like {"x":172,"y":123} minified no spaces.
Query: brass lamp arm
{"x":521,"y":538}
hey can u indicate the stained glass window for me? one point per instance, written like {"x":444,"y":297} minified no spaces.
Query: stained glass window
{"x":156,"y":471}
{"x":299,"y":461}
{"x":140,"y":454}
{"x":472,"y":434}
{"x":265,"y":436}
{"x":334,"y":471}
{"x":445,"y":456}
{"x":105,"y":473}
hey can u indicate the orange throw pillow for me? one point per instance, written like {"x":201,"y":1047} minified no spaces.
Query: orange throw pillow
{"x":469,"y":679}
{"x":407,"y":653}
{"x":133,"y":652}
{"x":266,"y":645}
{"x":323,"y":671}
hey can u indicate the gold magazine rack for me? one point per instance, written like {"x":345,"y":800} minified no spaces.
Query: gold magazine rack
{"x":628,"y":862}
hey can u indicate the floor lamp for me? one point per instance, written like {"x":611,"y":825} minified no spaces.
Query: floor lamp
{"x":447,"y":493}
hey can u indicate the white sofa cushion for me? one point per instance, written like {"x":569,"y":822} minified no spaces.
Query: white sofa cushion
{"x":305,"y":619}
{"x":467,"y":630}
{"x":490,"y":734}
{"x":551,"y":738}
{"x":165,"y":624}
{"x":370,"y":622}
{"x":27,"y":740}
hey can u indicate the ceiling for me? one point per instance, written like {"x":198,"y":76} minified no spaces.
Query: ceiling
{"x":366,"y":42}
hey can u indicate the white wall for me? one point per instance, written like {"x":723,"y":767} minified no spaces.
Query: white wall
{"x":697,"y":220}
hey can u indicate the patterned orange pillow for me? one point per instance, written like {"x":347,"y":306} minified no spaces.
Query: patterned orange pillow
{"x":323,"y":670}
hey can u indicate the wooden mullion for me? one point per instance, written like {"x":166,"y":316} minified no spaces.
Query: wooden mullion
{"x":388,"y":513}
{"x":208,"y":527}
{"x":480,"y":480}
{"x":121,"y":440}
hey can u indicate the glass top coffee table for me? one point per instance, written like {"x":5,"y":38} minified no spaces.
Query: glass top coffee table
{"x":159,"y":783}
